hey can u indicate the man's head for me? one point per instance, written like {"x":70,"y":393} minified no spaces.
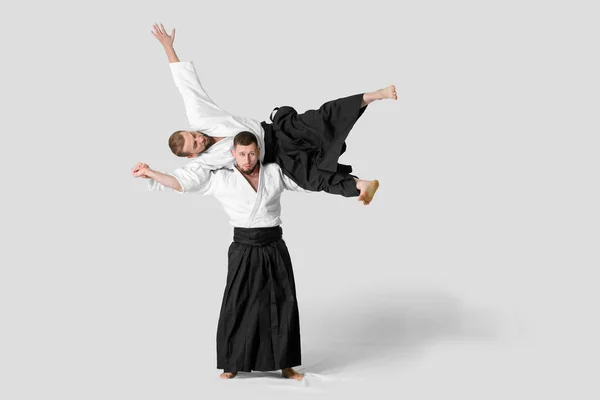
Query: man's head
{"x":189,"y":143}
{"x":246,"y":152}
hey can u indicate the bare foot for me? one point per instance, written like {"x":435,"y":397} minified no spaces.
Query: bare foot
{"x":367,"y":190}
{"x":291,"y":374}
{"x":227,"y":375}
{"x":388,"y":93}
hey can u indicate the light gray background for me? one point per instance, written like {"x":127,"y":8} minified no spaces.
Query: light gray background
{"x":473,"y":273}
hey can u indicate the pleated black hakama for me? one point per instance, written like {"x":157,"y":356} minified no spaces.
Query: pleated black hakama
{"x":259,"y":325}
{"x":307,"y":146}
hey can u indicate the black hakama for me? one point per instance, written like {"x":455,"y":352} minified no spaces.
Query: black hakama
{"x":307,"y":146}
{"x":259,"y":325}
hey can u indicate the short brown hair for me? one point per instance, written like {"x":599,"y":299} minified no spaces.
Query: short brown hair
{"x":245,"y":138}
{"x":176,"y":142}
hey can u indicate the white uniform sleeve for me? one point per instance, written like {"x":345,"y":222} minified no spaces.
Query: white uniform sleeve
{"x":203,"y":114}
{"x":192,"y":177}
{"x":289,"y":184}
{"x":155,"y":186}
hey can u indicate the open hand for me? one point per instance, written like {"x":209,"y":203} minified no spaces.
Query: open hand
{"x":160,"y":33}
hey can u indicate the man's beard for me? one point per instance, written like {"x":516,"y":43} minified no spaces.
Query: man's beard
{"x":209,"y":141}
{"x":250,"y":171}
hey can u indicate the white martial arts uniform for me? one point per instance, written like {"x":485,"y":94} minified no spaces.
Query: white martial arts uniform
{"x":205,"y":116}
{"x":246,"y":208}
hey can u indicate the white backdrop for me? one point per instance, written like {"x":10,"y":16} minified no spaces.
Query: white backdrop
{"x":473,"y":273}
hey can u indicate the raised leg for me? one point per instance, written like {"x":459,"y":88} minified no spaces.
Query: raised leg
{"x":385,"y":93}
{"x":367,"y":190}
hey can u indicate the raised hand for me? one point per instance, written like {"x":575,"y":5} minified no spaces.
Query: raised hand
{"x":160,"y":33}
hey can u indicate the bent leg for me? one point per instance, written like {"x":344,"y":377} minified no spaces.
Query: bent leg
{"x":315,"y":136}
{"x":337,"y":116}
{"x":367,"y":190}
{"x":340,"y":183}
{"x":352,"y":187}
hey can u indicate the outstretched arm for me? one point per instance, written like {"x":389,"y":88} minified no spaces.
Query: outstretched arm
{"x":161,"y":35}
{"x":202,"y":112}
{"x":141,"y":170}
{"x":191,"y":178}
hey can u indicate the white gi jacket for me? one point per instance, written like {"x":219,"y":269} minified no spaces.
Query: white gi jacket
{"x":245,"y":207}
{"x":205,"y":116}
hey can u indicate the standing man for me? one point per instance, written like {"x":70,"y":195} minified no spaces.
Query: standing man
{"x":259,"y":326}
{"x":307,"y":146}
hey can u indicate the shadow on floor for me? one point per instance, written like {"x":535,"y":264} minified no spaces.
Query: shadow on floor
{"x":377,"y":329}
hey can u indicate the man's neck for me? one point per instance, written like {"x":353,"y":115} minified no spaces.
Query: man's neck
{"x":252,"y":177}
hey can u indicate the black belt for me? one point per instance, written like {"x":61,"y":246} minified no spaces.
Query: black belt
{"x":257,"y":236}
